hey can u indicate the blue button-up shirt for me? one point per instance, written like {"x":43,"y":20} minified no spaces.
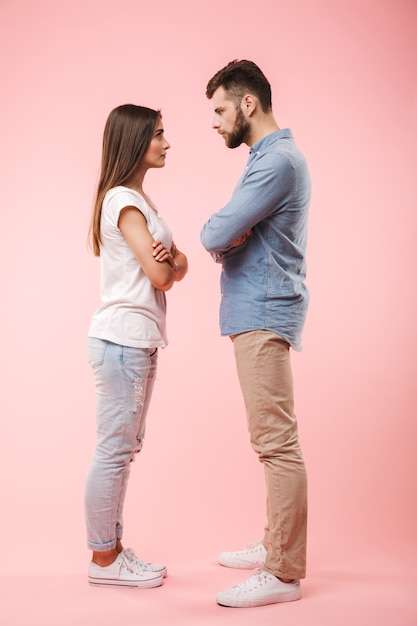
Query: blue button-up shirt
{"x":262,"y":280}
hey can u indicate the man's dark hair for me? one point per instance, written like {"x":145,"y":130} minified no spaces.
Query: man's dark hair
{"x":239,"y":78}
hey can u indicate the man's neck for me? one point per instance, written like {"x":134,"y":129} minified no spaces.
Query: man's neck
{"x":261,"y":128}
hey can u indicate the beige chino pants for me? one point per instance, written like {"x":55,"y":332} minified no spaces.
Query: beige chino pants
{"x":265,"y":376}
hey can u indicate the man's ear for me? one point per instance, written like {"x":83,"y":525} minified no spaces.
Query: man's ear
{"x":249,"y":104}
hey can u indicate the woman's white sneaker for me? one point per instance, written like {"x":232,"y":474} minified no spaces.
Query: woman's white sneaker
{"x":158,"y":569}
{"x":254,"y":556}
{"x":125,"y":573}
{"x":260,"y":589}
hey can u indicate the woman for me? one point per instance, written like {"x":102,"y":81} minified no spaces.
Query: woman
{"x":139,"y":262}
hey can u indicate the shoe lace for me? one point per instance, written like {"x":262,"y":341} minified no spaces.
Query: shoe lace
{"x":131,"y":556}
{"x":254,"y":546}
{"x":258,"y":578}
{"x":132,"y":565}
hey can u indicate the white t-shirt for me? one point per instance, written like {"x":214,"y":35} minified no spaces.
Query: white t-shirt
{"x":133,"y":312}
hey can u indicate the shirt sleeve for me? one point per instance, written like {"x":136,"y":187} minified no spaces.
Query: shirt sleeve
{"x":265,"y":188}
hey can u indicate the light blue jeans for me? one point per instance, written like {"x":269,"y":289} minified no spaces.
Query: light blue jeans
{"x":124,"y":383}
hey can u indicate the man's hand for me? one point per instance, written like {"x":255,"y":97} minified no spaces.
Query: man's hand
{"x":240,"y":240}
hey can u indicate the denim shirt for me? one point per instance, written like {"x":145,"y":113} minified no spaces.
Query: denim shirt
{"x":262,"y":280}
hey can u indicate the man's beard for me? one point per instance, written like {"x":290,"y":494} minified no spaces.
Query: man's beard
{"x":239,"y":132}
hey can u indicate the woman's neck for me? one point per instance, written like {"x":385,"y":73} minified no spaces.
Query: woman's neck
{"x":136,"y":182}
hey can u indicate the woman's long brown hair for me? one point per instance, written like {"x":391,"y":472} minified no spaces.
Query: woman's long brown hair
{"x":128,"y":132}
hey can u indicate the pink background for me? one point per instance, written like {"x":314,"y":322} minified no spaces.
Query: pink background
{"x":343,"y":76}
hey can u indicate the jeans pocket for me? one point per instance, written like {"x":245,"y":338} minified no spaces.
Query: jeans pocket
{"x":96,"y":351}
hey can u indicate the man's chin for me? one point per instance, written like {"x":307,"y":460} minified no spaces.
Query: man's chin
{"x":233,"y":145}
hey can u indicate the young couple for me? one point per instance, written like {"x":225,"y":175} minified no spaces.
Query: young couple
{"x":259,"y":237}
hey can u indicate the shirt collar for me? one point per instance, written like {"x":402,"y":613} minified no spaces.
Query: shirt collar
{"x":265,"y":142}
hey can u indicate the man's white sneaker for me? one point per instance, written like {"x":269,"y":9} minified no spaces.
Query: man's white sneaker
{"x":123,"y":572}
{"x":153,"y":567}
{"x":260,"y":589}
{"x":251,"y":558}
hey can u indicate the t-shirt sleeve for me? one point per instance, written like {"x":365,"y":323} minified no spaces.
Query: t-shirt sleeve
{"x":118,"y":201}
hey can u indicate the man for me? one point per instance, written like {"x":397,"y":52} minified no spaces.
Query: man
{"x":259,"y":237}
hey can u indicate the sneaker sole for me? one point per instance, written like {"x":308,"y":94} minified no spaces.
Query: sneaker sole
{"x":142,"y":584}
{"x":291,"y":596}
{"x":239,"y":564}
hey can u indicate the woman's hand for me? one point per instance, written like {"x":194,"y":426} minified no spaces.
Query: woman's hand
{"x":161,"y":254}
{"x":174,"y":250}
{"x":180,"y":260}
{"x":134,"y":228}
